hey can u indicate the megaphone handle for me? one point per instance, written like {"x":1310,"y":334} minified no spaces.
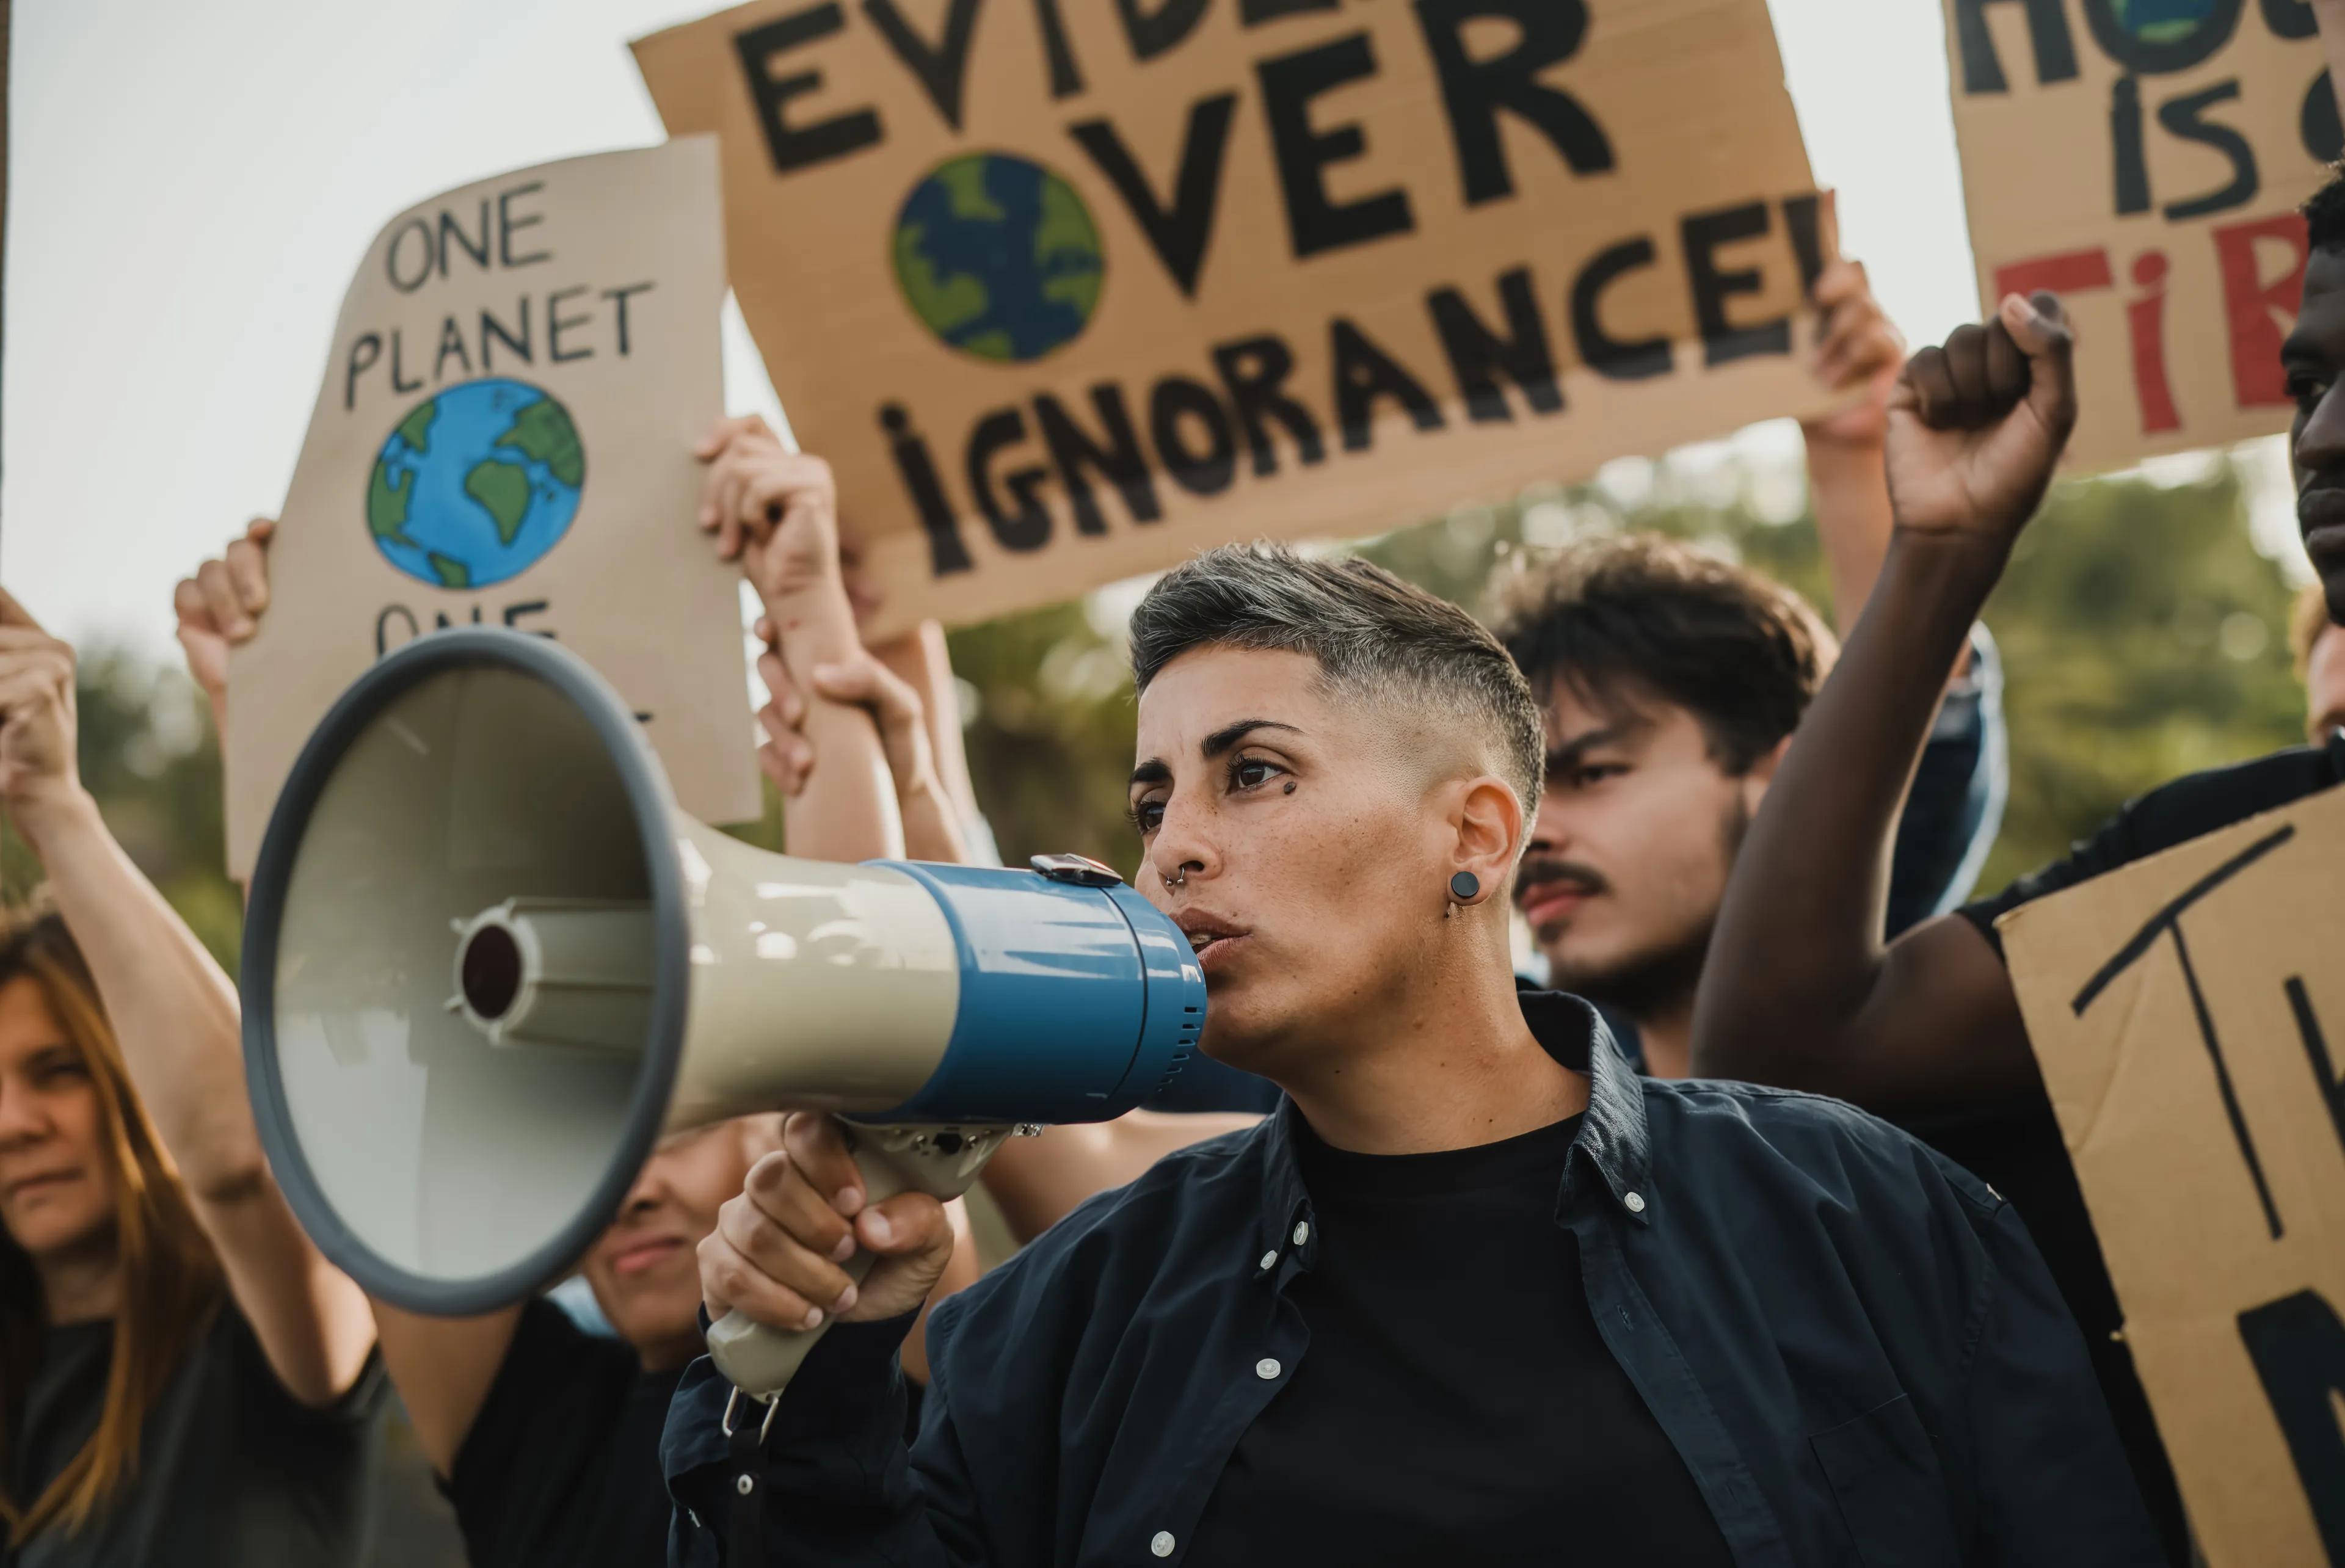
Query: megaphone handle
{"x":760,"y":1360}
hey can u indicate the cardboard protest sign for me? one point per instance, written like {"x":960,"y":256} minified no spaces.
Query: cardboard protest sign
{"x":2144,"y":159}
{"x":1066,"y":290}
{"x":504,"y":439}
{"x":2189,"y":1013}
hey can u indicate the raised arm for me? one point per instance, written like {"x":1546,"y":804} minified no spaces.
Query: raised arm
{"x":1799,"y":989}
{"x":776,"y":511}
{"x":175,"y":1017}
{"x":1847,"y":482}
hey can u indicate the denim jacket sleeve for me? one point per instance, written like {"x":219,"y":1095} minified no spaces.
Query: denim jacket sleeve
{"x":835,"y":1474}
{"x":2054,"y":1487}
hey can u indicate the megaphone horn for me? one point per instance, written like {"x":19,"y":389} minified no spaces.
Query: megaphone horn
{"x":487,"y":963}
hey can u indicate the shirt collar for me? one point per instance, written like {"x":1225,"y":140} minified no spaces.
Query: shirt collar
{"x":1612,"y":1142}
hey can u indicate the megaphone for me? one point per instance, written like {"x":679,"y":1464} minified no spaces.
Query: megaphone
{"x":488,"y":963}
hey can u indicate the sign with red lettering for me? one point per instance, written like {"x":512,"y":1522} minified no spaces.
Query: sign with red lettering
{"x":1066,"y":289}
{"x":505,"y":437}
{"x":2144,"y":159}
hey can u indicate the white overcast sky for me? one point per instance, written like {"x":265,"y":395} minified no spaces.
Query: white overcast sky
{"x":190,"y":187}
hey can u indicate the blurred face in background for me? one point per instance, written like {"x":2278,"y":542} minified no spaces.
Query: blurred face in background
{"x":1637,"y":827}
{"x":56,"y":1180}
{"x":645,"y":1269}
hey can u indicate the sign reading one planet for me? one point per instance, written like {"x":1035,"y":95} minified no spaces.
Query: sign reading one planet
{"x":999,"y":257}
{"x":475,"y":484}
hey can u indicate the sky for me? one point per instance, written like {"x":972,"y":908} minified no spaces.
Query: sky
{"x":191,"y":187}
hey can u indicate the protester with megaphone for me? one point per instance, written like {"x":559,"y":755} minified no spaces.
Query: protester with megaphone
{"x":185,"y":1378}
{"x":1474,"y":1286}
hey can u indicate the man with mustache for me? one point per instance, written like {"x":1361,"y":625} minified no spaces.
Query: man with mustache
{"x":1801,"y":990}
{"x":1476,"y":1292}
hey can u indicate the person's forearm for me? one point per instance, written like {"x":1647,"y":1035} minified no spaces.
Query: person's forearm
{"x":1798,"y":944}
{"x":1848,"y":488}
{"x":171,"y":1009}
{"x":919,"y":658}
{"x":1038,"y":1181}
{"x":847,"y":811}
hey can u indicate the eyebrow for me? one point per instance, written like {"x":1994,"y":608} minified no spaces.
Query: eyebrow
{"x":1579,"y":745}
{"x":1156,"y":771}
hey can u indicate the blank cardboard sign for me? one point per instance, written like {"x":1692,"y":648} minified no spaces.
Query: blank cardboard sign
{"x":503,"y":438}
{"x":2189,"y":1013}
{"x":2144,"y":159}
{"x":1066,"y":290}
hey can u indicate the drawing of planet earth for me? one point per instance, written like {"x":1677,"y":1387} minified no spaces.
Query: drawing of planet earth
{"x":999,"y":257}
{"x":475,"y":484}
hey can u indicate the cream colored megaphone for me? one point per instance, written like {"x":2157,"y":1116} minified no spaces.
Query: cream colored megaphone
{"x":487,"y":963}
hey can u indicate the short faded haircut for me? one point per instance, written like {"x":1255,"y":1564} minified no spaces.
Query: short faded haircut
{"x":1641,"y":614}
{"x":1376,"y":638}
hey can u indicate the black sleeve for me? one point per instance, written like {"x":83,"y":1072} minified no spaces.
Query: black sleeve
{"x":2173,"y":813}
{"x":834,"y":1474}
{"x":541,"y":1442}
{"x":2053,"y":1488}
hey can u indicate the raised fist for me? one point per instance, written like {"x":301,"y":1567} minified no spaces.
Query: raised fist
{"x":1976,"y":427}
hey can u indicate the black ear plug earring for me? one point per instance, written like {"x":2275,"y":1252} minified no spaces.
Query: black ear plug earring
{"x":1464,"y":887}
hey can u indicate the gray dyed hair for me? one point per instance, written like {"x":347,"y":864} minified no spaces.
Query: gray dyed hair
{"x":1375,"y":636}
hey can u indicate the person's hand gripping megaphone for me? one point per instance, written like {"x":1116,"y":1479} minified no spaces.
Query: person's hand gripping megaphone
{"x":781,"y":1251}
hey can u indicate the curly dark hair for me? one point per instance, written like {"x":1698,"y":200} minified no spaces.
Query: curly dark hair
{"x":2324,"y":212}
{"x":1643,"y":616}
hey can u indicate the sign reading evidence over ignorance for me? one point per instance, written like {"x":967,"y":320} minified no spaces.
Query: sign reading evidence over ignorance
{"x":504,"y":439}
{"x":2188,"y":1014}
{"x":1067,"y":290}
{"x":2145,"y":159}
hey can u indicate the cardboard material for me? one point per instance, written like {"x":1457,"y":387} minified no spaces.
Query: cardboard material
{"x":1066,"y":290}
{"x":2145,"y":159}
{"x":2189,"y":1013}
{"x":505,"y":437}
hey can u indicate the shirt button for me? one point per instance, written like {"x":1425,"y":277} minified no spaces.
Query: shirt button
{"x":1266,"y":1368}
{"x":744,"y":1485}
{"x":1633,"y":1201}
{"x":1161,"y":1543}
{"x":1301,"y":1231}
{"x":1270,"y":1260}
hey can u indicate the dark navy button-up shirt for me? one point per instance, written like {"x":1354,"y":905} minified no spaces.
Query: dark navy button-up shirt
{"x":1850,"y":1342}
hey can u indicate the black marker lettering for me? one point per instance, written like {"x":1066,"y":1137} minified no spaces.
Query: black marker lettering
{"x":795,"y":147}
{"x":1117,"y":459}
{"x":1289,"y":84}
{"x":1177,"y":235}
{"x":1255,"y":371}
{"x":507,"y":224}
{"x":1476,"y":354}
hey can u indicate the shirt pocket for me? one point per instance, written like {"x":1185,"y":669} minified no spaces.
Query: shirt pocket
{"x":1885,"y":1476}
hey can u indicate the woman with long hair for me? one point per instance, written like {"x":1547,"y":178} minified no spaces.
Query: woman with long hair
{"x":183,"y":1377}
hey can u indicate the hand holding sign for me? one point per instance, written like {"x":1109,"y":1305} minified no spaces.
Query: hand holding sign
{"x":1976,"y":427}
{"x":38,"y":773}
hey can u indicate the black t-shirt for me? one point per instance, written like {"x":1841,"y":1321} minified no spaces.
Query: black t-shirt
{"x":232,"y":1470}
{"x":1456,"y":1403}
{"x":2018,"y":1149}
{"x":561,"y":1466}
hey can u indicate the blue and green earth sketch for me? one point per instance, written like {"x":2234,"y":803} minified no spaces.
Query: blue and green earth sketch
{"x":2162,"y":21}
{"x":475,"y":484}
{"x":999,"y":257}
